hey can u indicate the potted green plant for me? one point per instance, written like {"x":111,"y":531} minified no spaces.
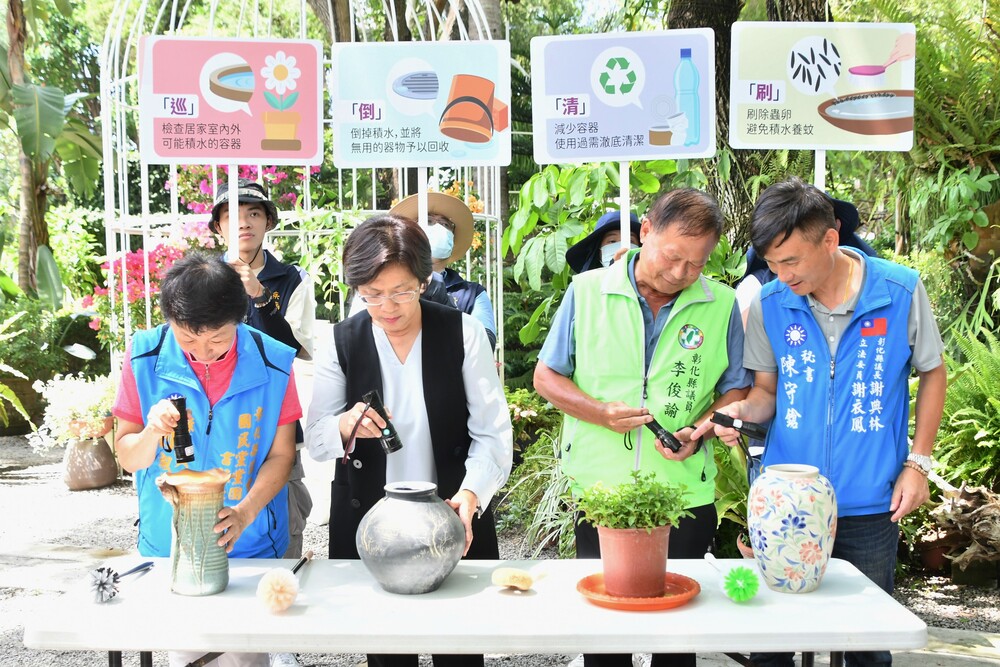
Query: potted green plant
{"x":78,"y":414}
{"x":633,"y":522}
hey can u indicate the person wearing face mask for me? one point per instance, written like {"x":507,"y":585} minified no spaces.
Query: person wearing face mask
{"x":449,"y":230}
{"x":601,"y":247}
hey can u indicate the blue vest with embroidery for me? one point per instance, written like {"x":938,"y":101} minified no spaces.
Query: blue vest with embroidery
{"x":235,"y":434}
{"x":847,"y":415}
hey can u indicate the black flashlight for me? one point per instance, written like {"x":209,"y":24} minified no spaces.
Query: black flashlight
{"x":388,"y":438}
{"x":183,"y":447}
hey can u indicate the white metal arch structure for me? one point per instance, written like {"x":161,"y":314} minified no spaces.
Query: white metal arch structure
{"x":136,"y":223}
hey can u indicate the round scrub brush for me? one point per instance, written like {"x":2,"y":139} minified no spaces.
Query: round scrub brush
{"x":104,"y":580}
{"x":279,"y":587}
{"x":739,"y":583}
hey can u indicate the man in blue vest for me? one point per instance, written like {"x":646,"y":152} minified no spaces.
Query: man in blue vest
{"x":831,"y":343}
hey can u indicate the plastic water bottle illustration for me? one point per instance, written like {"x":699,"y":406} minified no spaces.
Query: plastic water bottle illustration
{"x":686,"y":81}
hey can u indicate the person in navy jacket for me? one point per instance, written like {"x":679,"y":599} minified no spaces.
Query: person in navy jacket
{"x":280,"y":301}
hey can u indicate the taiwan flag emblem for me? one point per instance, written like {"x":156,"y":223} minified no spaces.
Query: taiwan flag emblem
{"x":873,"y":327}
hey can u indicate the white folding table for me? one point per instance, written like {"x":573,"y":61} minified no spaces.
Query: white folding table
{"x":340,"y":609}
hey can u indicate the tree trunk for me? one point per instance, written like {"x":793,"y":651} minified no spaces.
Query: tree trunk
{"x":321,"y":9}
{"x":733,"y":195}
{"x":402,"y":30}
{"x":798,"y":10}
{"x":33,"y":230}
{"x":341,"y":20}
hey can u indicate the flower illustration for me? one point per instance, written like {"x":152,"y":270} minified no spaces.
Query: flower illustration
{"x":792,"y":574}
{"x":279,"y":75}
{"x":810,"y":552}
{"x":793,"y":522}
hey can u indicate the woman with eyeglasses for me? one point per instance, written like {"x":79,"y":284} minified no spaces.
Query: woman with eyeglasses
{"x":433,"y":368}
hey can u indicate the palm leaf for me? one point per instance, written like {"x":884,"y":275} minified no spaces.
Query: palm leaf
{"x":40,"y":115}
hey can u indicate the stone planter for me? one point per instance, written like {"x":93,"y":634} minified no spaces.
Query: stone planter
{"x":89,"y":463}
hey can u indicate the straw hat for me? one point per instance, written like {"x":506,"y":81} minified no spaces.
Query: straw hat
{"x":450,"y":207}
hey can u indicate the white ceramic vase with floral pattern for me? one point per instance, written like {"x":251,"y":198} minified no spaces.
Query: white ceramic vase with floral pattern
{"x":792,"y":518}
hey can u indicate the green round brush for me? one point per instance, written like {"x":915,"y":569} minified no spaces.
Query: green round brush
{"x":739,"y":583}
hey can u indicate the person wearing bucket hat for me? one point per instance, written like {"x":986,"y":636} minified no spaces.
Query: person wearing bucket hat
{"x":602,"y":246}
{"x":449,"y":230}
{"x":280,"y":302}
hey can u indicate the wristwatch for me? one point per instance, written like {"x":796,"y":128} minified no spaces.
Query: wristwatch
{"x":921,"y":460}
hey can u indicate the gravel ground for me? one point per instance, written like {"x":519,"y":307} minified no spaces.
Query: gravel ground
{"x":101,"y":525}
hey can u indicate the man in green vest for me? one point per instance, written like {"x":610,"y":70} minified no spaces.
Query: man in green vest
{"x":647,"y":338}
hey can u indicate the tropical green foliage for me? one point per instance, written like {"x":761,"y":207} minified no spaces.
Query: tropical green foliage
{"x":7,"y":396}
{"x":39,"y":353}
{"x":531,"y":416}
{"x":968,"y":443}
{"x":557,"y":207}
{"x":950,"y":205}
{"x":731,"y":484}
{"x":644,"y":502}
{"x":538,"y":501}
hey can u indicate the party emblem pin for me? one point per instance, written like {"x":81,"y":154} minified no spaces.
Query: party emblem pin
{"x":795,"y":335}
{"x":690,"y":337}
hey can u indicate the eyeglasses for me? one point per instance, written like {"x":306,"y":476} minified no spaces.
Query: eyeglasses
{"x":398,"y":297}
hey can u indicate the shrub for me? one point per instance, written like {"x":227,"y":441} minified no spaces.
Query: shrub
{"x":968,"y":442}
{"x":644,"y":502}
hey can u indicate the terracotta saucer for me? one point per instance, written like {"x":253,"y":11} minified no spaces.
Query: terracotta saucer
{"x":679,"y":591}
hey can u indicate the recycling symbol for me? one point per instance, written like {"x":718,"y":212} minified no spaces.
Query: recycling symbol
{"x":625,"y":76}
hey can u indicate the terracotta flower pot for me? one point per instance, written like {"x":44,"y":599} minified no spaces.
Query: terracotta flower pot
{"x":89,"y":463}
{"x":634,"y":560}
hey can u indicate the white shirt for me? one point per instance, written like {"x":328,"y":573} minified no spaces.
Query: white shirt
{"x":491,"y":451}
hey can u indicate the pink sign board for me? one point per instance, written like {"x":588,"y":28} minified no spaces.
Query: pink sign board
{"x":228,"y":101}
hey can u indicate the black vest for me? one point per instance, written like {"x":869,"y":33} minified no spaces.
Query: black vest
{"x":359,"y":483}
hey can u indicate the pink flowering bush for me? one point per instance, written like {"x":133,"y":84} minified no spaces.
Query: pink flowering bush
{"x":132,"y":291}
